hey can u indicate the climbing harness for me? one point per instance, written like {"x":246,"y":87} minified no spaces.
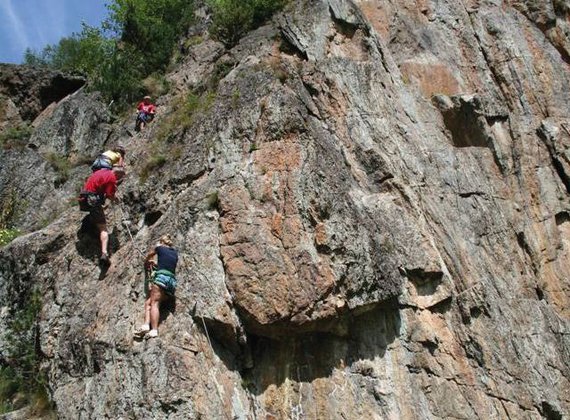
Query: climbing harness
{"x":183,"y":299}
{"x":143,"y":118}
{"x":89,"y":200}
{"x":182,"y":265}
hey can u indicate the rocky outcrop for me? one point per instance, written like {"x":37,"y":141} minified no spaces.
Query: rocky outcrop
{"x":42,"y":173}
{"x":37,"y":163}
{"x":28,"y":91}
{"x":371,"y":201}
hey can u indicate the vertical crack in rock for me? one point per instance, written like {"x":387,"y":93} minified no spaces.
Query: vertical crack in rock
{"x":548,"y":134}
{"x":546,"y":18}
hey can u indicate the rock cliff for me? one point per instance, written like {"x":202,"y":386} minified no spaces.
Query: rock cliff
{"x":372,"y":204}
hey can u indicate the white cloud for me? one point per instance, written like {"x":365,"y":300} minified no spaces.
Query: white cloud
{"x":16,"y":27}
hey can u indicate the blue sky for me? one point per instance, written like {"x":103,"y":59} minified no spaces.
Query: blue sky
{"x":37,"y":23}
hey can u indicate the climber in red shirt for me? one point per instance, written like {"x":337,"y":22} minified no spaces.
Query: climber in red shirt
{"x":101,"y":185}
{"x":145,"y":113}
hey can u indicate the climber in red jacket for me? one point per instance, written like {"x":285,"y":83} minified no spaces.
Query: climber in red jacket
{"x":101,"y":185}
{"x":145,"y":113}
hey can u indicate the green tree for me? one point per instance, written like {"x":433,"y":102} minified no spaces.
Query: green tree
{"x":83,"y":52}
{"x":151,"y":28}
{"x":136,"y":40}
{"x":139,"y":38}
{"x":119,"y":77}
{"x":31,"y":58}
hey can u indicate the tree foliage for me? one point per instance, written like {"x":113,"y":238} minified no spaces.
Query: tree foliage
{"x":151,"y":28}
{"x":231,"y":19}
{"x":136,"y":40}
{"x":82,"y":52}
{"x":21,"y":379}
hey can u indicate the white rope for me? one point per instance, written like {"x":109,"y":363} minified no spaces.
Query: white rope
{"x":124,"y":219}
{"x":183,"y":299}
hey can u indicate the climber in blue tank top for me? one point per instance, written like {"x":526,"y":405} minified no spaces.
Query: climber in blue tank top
{"x":167,"y":259}
{"x":163,"y":284}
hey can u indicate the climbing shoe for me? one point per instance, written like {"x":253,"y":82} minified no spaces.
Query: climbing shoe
{"x":152,"y":334}
{"x":142,"y":331}
{"x":104,"y":259}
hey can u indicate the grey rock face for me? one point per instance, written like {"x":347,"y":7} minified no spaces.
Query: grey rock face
{"x":371,"y":202}
{"x":32,"y":90}
{"x":46,"y":171}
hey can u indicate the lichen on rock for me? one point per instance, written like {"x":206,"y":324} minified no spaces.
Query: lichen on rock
{"x":371,"y":204}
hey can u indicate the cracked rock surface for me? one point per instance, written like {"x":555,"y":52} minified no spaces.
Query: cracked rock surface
{"x":371,"y":202}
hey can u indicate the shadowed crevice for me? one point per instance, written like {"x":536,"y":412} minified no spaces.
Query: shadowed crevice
{"x":152,"y":217}
{"x":550,"y":412}
{"x":287,"y":47}
{"x":425,"y":282}
{"x":308,"y":357}
{"x":545,"y":134}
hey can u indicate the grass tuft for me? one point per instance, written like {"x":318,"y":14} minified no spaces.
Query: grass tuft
{"x":61,"y":165}
{"x":15,"y":137}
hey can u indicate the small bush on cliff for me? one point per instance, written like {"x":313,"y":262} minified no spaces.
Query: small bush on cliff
{"x":15,"y":137}
{"x":185,"y":110}
{"x":21,"y":381}
{"x":11,"y":207}
{"x":8,"y":235}
{"x":232,"y":19}
{"x":156,"y":85}
{"x":61,"y":165}
{"x":213,"y":201}
{"x":152,"y":164}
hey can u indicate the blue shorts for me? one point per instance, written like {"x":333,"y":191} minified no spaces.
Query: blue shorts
{"x":165,"y":282}
{"x":145,"y":117}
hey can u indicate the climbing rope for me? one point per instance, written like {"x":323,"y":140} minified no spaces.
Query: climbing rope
{"x":186,"y":269}
{"x":207,"y":334}
{"x":185,"y":300}
{"x":124,"y":219}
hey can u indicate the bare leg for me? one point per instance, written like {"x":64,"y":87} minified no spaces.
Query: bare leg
{"x":156,"y":296}
{"x":104,"y":237}
{"x":147,"y":311}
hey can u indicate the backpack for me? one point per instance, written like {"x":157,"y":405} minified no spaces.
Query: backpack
{"x":89,"y":200}
{"x":102,"y":162}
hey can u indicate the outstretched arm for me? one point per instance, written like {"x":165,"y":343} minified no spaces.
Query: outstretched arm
{"x":149,"y":256}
